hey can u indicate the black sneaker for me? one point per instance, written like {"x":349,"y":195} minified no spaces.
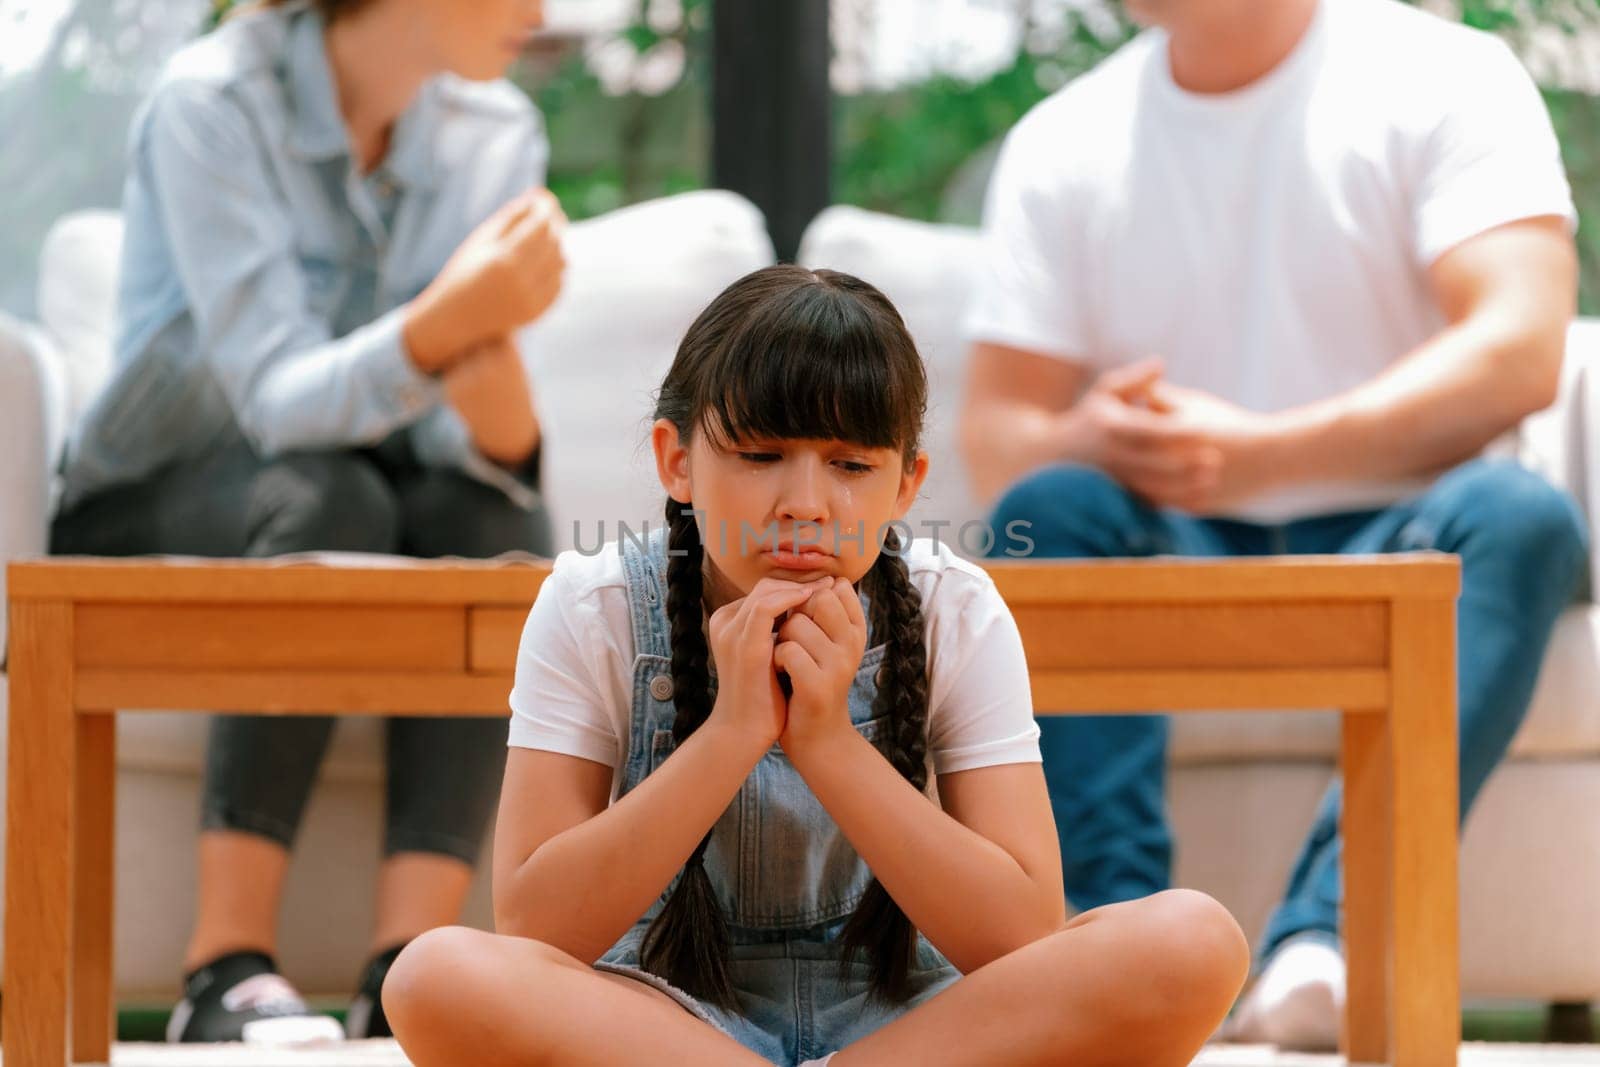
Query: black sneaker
{"x":365,"y":1018}
{"x":242,"y":997}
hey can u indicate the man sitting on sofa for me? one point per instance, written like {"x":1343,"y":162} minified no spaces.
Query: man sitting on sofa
{"x":1268,"y":281}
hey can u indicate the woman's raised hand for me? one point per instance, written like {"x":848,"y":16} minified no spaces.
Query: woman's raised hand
{"x":529,"y":266}
{"x":820,"y":647}
{"x":749,"y":698}
{"x":504,"y":275}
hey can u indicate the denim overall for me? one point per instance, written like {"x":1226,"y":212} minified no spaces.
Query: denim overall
{"x":785,"y":875}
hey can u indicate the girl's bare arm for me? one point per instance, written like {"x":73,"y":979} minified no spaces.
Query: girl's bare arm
{"x":980,"y":873}
{"x":576,"y":874}
{"x":980,"y":878}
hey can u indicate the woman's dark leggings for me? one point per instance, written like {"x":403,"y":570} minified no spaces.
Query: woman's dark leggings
{"x":443,"y":773}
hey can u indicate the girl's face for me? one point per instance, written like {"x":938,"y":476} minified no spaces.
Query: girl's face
{"x":792,"y":509}
{"x":479,"y":39}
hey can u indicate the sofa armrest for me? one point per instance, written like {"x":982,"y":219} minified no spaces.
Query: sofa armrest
{"x":1563,"y":441}
{"x":33,"y":423}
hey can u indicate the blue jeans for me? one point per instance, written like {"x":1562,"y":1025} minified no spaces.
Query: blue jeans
{"x":1523,"y":553}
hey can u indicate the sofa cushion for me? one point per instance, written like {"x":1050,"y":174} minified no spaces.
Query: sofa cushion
{"x":77,"y":298}
{"x":924,"y":270}
{"x":635,"y":280}
{"x":1559,"y":442}
{"x":33,"y":420}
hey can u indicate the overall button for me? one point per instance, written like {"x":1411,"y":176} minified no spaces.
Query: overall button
{"x":882,"y":676}
{"x":661,"y":687}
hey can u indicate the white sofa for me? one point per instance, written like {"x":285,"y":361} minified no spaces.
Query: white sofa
{"x":1243,"y":786}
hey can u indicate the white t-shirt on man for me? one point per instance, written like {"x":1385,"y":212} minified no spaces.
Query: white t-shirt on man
{"x":573,"y":689}
{"x":1270,"y":244}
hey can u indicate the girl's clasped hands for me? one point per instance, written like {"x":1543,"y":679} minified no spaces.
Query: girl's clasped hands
{"x":815,"y":633}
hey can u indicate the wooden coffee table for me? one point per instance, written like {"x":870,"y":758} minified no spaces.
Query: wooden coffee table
{"x":1372,"y":636}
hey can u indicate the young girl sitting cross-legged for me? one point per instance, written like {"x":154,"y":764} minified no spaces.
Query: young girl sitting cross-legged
{"x":774,"y":793}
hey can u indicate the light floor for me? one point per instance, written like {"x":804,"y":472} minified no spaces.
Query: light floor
{"x":387,"y":1054}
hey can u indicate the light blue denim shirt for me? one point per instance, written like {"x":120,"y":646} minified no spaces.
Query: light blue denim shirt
{"x":263,"y":275}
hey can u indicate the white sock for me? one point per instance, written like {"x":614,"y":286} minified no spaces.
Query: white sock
{"x":1297,"y":1002}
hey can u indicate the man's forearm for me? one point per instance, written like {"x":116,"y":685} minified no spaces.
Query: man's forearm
{"x":1437,"y":407}
{"x":1004,"y":441}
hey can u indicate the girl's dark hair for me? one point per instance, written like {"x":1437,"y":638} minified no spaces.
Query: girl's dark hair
{"x":330,"y":9}
{"x":788,"y":353}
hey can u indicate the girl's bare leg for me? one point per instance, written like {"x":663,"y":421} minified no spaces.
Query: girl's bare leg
{"x":1142,"y":984}
{"x":462,"y":996}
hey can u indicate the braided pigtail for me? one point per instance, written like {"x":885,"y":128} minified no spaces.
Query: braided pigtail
{"x":687,"y":944}
{"x":878,"y":925}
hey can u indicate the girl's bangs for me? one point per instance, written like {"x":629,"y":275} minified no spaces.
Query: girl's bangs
{"x":809,"y":365}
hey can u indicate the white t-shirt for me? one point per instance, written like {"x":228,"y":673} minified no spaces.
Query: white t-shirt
{"x":1272,"y":243}
{"x":573,"y":691}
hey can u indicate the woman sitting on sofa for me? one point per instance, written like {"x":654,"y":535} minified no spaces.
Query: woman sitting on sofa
{"x":334,"y":227}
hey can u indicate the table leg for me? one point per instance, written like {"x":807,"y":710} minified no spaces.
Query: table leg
{"x":1427,"y":993}
{"x":93,"y":1017}
{"x":39,"y":788}
{"x":1368,"y":884}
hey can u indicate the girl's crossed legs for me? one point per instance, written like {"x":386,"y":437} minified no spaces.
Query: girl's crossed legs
{"x":1141,"y":984}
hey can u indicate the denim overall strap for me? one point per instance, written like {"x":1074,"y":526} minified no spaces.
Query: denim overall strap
{"x":645,"y":567}
{"x":776,"y":858}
